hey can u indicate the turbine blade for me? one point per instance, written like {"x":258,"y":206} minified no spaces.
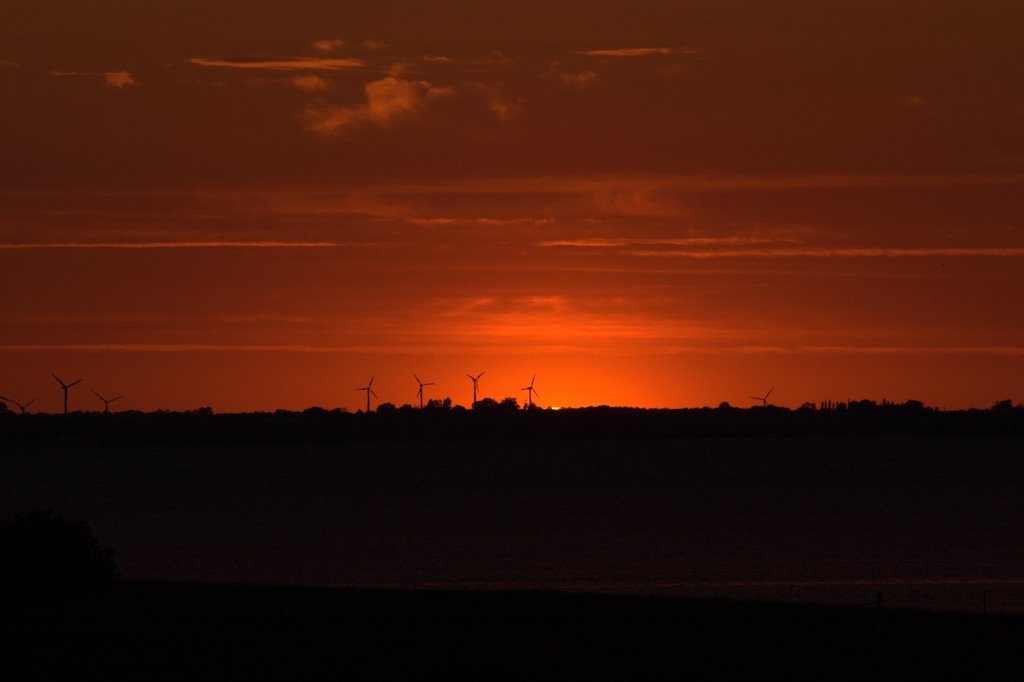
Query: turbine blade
{"x":535,"y":393}
{"x":769,"y":392}
{"x":117,"y":398}
{"x":533,"y":379}
{"x":58,"y":380}
{"x":416,"y":378}
{"x":27,"y":404}
{"x":470,"y":376}
{"x":480,"y":374}
{"x":74,"y":382}
{"x":99,"y":396}
{"x":429,"y":383}
{"x":371,"y":381}
{"x":374,"y":393}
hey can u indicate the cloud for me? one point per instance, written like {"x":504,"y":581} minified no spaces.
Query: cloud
{"x":498,"y":102}
{"x":517,"y":326}
{"x":386,"y":99}
{"x":8,"y":64}
{"x":309,"y":83}
{"x":119,"y":79}
{"x":641,"y":182}
{"x":640,"y":51}
{"x":112,"y":79}
{"x":842,"y":252}
{"x":280,"y":63}
{"x":577,"y":80}
{"x":168,"y":245}
{"x":618,"y":242}
{"x":329,"y":45}
{"x":375,"y":45}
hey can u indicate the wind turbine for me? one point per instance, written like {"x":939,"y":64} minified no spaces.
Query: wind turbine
{"x":106,"y":403}
{"x":65,"y":387}
{"x":530,"y":390}
{"x":420,"y":392}
{"x":764,"y":400}
{"x":369,"y":391}
{"x":475,"y":379}
{"x":20,"y":406}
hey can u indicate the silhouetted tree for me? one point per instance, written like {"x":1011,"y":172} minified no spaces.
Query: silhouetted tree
{"x":386,"y":408}
{"x":1003,"y":406}
{"x":509,"y":403}
{"x":44,"y":554}
{"x":485,"y":404}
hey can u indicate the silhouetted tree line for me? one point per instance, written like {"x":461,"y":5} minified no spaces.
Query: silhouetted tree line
{"x":490,"y":419}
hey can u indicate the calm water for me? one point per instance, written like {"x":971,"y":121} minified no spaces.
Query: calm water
{"x":931,"y":523}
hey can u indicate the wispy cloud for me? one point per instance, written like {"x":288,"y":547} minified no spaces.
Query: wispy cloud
{"x":309,"y":82}
{"x":593,"y":184}
{"x":280,"y":63}
{"x":8,"y":64}
{"x":386,"y":99}
{"x":375,"y":45}
{"x":112,"y":79}
{"x":329,"y":45}
{"x":517,"y":328}
{"x":170,"y":245}
{"x":831,"y":252}
{"x":119,"y":79}
{"x":576,"y":79}
{"x":640,"y":51}
{"x":498,"y":102}
{"x":618,"y":242}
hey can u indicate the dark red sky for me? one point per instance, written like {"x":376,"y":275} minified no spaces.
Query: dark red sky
{"x":659,"y":204}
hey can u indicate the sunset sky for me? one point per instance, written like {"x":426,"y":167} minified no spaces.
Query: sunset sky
{"x":259,"y":205}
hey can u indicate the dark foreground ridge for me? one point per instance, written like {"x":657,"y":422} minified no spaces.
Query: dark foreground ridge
{"x":206,"y":631}
{"x":490,"y":420}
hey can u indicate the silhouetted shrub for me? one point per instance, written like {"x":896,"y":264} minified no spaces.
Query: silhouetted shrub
{"x":44,"y":554}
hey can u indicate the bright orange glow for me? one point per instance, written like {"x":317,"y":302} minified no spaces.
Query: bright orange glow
{"x":635,"y":213}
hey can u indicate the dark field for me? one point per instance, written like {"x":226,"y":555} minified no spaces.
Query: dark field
{"x":192,"y":631}
{"x":931,"y":521}
{"x":492,"y":552}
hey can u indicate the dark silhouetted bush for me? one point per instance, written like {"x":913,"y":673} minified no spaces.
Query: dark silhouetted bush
{"x":43,"y":554}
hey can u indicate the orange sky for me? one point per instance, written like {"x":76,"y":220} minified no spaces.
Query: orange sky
{"x":656,"y":204}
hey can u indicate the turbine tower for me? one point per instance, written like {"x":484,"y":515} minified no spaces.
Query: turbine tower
{"x":20,"y":406}
{"x":530,"y":390}
{"x":475,"y":379}
{"x":65,"y":387}
{"x":420,"y":392}
{"x":106,"y":403}
{"x":369,"y":391}
{"x":764,"y":398}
